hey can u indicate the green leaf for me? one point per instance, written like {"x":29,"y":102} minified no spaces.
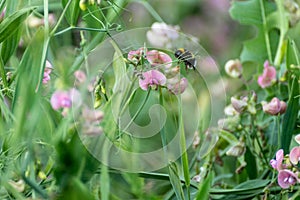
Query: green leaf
{"x":72,"y":12}
{"x":251,"y":164}
{"x":12,"y":23}
{"x":10,"y":45}
{"x":175,"y":180}
{"x":245,"y":188}
{"x":27,"y":80}
{"x":75,"y":190}
{"x":255,"y":12}
{"x":290,"y":116}
{"x":204,"y":187}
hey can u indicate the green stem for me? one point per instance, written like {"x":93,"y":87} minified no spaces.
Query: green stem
{"x":60,"y":18}
{"x":279,"y":53}
{"x":3,"y":74}
{"x":184,"y":157}
{"x":99,"y":38}
{"x":283,"y":26}
{"x":267,"y":39}
{"x":81,"y":29}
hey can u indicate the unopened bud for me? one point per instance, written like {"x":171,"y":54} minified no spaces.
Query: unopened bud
{"x":234,"y":68}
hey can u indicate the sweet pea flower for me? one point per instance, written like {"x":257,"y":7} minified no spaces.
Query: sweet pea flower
{"x":47,"y":72}
{"x":177,"y":85}
{"x":277,"y":164}
{"x":152,"y":78}
{"x":65,"y":99}
{"x":297,"y":138}
{"x":135,"y":55}
{"x":162,"y":35}
{"x":295,"y":155}
{"x":80,"y":76}
{"x":274,"y":107}
{"x":286,"y":178}
{"x":268,"y":76}
{"x":239,"y":105}
{"x":234,"y":68}
{"x":157,"y":58}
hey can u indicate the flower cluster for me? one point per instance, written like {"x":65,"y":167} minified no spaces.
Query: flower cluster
{"x":161,"y":73}
{"x":287,"y":167}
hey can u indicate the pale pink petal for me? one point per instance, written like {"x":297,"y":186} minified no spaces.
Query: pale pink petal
{"x":286,"y":178}
{"x":295,"y":155}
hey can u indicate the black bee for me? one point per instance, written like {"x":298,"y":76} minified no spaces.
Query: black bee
{"x":187,"y":57}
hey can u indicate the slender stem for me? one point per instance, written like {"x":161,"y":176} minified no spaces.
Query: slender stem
{"x":3,"y":74}
{"x":278,"y":130}
{"x":46,"y":18}
{"x":60,"y":18}
{"x":184,"y":157}
{"x":79,"y":28}
{"x":267,"y":39}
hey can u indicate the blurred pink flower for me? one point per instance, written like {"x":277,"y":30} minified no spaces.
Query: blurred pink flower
{"x":65,"y":99}
{"x":295,"y":155}
{"x":152,"y":78}
{"x":47,"y":72}
{"x":2,"y":15}
{"x":92,"y":115}
{"x":286,"y":178}
{"x":274,"y":107}
{"x":60,"y":99}
{"x":156,"y":58}
{"x":80,"y":76}
{"x":268,"y":76}
{"x":135,"y":55}
{"x":177,"y":85}
{"x":162,"y":35}
{"x":35,"y":22}
{"x":277,"y":164}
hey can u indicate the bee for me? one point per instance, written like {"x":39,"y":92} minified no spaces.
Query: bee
{"x":187,"y":57}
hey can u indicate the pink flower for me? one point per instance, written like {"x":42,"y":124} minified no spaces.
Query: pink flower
{"x":286,"y":178}
{"x":295,"y":155}
{"x":152,"y":78}
{"x":274,"y":107}
{"x":2,"y":15}
{"x":268,"y":76}
{"x":65,"y":99}
{"x":162,"y":35}
{"x":176,"y":85}
{"x":277,"y":164}
{"x":156,"y":58}
{"x":47,"y":72}
{"x":135,"y":55}
{"x":80,"y":76}
{"x":92,"y":115}
{"x":239,"y":105}
{"x":297,"y":138}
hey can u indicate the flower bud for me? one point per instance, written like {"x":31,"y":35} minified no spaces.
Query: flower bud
{"x":274,"y":107}
{"x":237,"y":150}
{"x":239,"y":105}
{"x":234,"y":68}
